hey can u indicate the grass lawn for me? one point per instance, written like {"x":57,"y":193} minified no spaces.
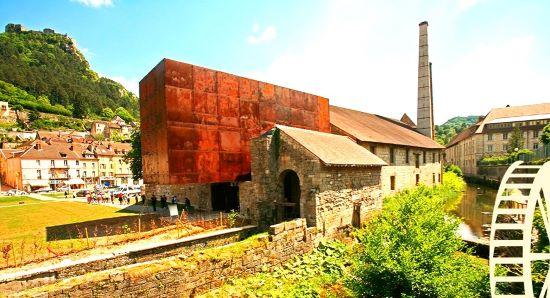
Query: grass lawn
{"x":14,"y":201}
{"x":30,"y":221}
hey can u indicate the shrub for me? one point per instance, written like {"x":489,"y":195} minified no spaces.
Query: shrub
{"x":454,"y":168}
{"x":411,"y":249}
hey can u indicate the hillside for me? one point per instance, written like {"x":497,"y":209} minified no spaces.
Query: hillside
{"x":445,"y":132}
{"x":56,"y":76}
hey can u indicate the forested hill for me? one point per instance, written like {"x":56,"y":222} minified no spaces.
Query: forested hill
{"x":445,"y":132}
{"x":50,"y":67}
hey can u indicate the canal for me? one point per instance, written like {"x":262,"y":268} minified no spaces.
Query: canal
{"x":475,"y":210}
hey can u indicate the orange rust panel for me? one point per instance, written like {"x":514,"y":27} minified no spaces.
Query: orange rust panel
{"x":197,"y":123}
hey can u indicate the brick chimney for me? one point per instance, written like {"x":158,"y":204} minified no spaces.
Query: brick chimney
{"x":425,"y":114}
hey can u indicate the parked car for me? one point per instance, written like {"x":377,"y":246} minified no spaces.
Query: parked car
{"x":82,"y":193}
{"x":63,"y":188}
{"x":126,"y":190}
{"x":43,"y":189}
{"x":16,"y":192}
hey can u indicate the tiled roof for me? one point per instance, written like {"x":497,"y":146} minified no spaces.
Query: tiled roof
{"x":512,"y":112}
{"x":373,"y":128}
{"x":49,"y":151}
{"x":464,"y":134}
{"x":407,"y":120}
{"x":331,"y":149}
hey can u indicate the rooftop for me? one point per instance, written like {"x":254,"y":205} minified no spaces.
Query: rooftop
{"x":517,"y":113}
{"x":331,"y":149}
{"x":373,"y":128}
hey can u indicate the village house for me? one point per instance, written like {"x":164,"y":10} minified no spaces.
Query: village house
{"x":490,"y":136}
{"x":4,"y":110}
{"x":116,"y":127}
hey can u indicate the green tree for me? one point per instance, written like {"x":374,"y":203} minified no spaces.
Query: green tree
{"x":34,"y":115}
{"x":124,"y":114}
{"x":107,"y":113}
{"x":516,"y":140}
{"x":411,"y":249}
{"x":133,"y":157}
{"x":545,"y":136}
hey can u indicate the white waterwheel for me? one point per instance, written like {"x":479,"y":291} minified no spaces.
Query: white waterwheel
{"x":524,"y":189}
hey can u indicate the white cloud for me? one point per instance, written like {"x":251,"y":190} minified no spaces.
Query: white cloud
{"x":267,"y":35}
{"x":467,"y":4}
{"x":95,"y":3}
{"x":132,"y":84}
{"x":365,"y":55}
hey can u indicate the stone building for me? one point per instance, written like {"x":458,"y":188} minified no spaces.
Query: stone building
{"x":489,"y":137}
{"x":4,"y":110}
{"x":411,"y":157}
{"x":296,"y":174}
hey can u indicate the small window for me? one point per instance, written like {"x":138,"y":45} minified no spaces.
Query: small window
{"x":417,"y":179}
{"x":392,"y":155}
{"x":433,"y":156}
{"x":490,"y":148}
{"x":392,"y":182}
{"x":38,"y":162}
{"x":84,"y":174}
{"x":536,"y":146}
{"x":93,"y":173}
{"x":535,"y":134}
{"x":373,"y":149}
{"x":65,"y":162}
{"x":424,"y":157}
{"x":52,"y":163}
{"x":39,"y":174}
{"x":77,"y":173}
{"x":77,"y":163}
{"x":505,"y":136}
{"x":433,"y":178}
{"x":490,"y":137}
{"x":407,"y":155}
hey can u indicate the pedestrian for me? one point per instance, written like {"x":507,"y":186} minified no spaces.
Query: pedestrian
{"x":88,"y":198}
{"x":120,"y":198}
{"x":154,"y":202}
{"x":136,"y":198}
{"x":174,"y":199}
{"x":187,"y":205}
{"x":112,"y":197}
{"x":66,"y":194}
{"x":143,"y":199}
{"x":163,"y":201}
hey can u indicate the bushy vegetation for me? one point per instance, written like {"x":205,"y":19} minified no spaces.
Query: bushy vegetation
{"x":133,"y":157}
{"x":411,"y":249}
{"x":16,"y":96}
{"x":448,"y":130}
{"x":50,"y":66}
{"x":454,"y":168}
{"x":506,"y":159}
{"x":318,"y":274}
{"x":545,"y":136}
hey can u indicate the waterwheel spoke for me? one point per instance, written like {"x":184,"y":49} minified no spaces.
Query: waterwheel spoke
{"x":544,"y":290}
{"x":544,"y":213}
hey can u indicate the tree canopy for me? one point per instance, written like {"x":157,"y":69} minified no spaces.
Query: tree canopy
{"x":448,"y":130}
{"x":49,"y":67}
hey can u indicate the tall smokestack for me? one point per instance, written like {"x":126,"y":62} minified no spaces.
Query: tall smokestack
{"x":425,"y":119}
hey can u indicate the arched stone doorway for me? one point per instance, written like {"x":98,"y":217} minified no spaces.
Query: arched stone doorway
{"x":291,"y":193}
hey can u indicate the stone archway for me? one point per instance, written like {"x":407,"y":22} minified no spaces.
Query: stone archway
{"x":291,"y":194}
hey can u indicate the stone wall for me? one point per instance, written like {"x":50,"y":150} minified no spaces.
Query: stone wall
{"x":198,"y":194}
{"x":182,"y":247}
{"x":327,"y":193}
{"x":187,"y":276}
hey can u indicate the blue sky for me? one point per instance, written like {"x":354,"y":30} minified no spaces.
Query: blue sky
{"x":359,"y":54}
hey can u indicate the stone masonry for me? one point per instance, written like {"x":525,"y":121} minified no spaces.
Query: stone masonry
{"x":187,"y":276}
{"x":328,"y":194}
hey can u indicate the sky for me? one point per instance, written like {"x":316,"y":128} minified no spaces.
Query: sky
{"x":359,"y":54}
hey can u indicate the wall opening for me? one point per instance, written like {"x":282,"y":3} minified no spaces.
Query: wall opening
{"x":291,"y":195}
{"x":392,"y":182}
{"x":417,"y":179}
{"x":225,"y":196}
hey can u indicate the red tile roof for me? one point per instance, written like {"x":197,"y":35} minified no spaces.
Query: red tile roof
{"x":373,"y":128}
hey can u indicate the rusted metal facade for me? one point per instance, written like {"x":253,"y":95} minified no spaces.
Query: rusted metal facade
{"x":196,"y":123}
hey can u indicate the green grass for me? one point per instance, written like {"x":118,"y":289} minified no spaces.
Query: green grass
{"x":14,"y":201}
{"x":30,"y":221}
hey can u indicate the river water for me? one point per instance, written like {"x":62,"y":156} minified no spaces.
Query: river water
{"x":475,"y":210}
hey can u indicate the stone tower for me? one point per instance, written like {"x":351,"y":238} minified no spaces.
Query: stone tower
{"x":425,"y":113}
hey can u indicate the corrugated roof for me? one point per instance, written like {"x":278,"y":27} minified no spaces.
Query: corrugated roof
{"x":510,"y":112}
{"x":464,"y":134}
{"x":378,"y":129}
{"x":331,"y":149}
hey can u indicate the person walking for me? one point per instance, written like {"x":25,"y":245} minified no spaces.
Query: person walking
{"x":174,"y":200}
{"x":143,"y":199}
{"x":154,"y":202}
{"x":112,"y":197}
{"x":163,"y":201}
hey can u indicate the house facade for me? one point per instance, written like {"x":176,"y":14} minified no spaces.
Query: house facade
{"x":491,"y":135}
